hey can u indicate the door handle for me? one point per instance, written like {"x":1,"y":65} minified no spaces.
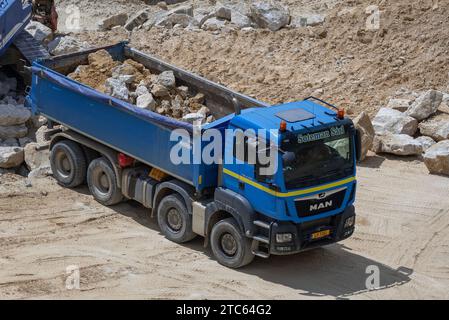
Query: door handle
{"x":241,"y":185}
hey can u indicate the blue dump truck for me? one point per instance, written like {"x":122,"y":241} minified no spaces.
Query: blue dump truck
{"x":124,"y":152}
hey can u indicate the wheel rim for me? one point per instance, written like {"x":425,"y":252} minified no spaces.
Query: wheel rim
{"x":228,"y":244}
{"x":102,"y":182}
{"x":63,"y":165}
{"x":174,"y":220}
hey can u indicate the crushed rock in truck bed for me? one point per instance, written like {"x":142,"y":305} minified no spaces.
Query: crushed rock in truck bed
{"x":132,"y":82}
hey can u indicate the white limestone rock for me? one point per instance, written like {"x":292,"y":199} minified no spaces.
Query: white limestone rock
{"x":436,"y":158}
{"x":363,"y":123}
{"x":66,"y":45}
{"x":166,"y":79}
{"x":393,"y":121}
{"x":11,"y":115}
{"x":10,"y":157}
{"x":117,"y":89}
{"x":426,"y":142}
{"x":39,"y":32}
{"x":213,"y":24}
{"x":401,"y":105}
{"x":425,"y":105}
{"x":18,"y":131}
{"x":146,"y":101}
{"x":307,"y":20}
{"x":137,"y":20}
{"x":35,"y":156}
{"x":193,"y":117}
{"x":436,"y":127}
{"x":223,"y":12}
{"x":269,"y":14}
{"x":113,"y":21}
{"x":397,"y":144}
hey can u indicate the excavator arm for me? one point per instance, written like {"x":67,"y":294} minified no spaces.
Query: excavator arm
{"x":17,"y":47}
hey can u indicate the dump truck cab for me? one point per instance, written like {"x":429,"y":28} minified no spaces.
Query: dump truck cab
{"x":307,"y":198}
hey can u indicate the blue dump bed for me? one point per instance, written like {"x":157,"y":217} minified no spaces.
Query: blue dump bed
{"x":14,"y":16}
{"x":139,"y":133}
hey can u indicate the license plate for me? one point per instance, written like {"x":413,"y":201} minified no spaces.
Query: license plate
{"x":320,"y":234}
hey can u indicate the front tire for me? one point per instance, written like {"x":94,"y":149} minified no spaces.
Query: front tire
{"x":102,"y":182}
{"x":174,"y":220}
{"x":230,"y":246}
{"x":68,"y":163}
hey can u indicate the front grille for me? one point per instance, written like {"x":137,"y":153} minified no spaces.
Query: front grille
{"x":311,"y":207}
{"x":312,"y":180}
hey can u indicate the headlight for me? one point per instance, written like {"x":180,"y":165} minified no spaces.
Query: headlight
{"x":349,"y":222}
{"x":284,"y":237}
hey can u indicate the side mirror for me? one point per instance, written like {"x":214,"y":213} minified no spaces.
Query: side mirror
{"x":288,"y":158}
{"x":358,"y":145}
{"x":266,"y":164}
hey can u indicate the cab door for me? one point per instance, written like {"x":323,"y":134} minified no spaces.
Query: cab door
{"x":232,"y":166}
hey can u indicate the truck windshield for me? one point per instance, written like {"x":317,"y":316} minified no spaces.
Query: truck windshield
{"x":318,"y":158}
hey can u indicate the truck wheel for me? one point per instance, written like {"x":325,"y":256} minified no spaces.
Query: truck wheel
{"x":68,"y":163}
{"x":174,"y":220}
{"x":102,"y":182}
{"x":230,"y":247}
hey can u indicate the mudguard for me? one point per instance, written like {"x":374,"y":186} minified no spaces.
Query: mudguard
{"x":235,"y":204}
{"x":185,"y":190}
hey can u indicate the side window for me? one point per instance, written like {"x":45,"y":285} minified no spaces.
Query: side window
{"x":252,"y":151}
{"x":240,"y":150}
{"x":259,"y":172}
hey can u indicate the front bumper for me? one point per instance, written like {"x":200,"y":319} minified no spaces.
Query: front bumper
{"x":302,"y":233}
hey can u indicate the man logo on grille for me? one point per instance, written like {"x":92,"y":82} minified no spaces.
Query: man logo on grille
{"x":322,"y":205}
{"x":322,"y":195}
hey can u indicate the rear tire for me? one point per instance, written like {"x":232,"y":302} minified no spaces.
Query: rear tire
{"x":230,"y":246}
{"x":174,"y":219}
{"x":102,"y":182}
{"x":68,"y":163}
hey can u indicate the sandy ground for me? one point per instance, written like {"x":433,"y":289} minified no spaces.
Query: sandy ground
{"x":402,"y":228}
{"x":403,"y":212}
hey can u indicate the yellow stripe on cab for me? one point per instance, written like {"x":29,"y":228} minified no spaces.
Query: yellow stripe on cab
{"x":291,"y":193}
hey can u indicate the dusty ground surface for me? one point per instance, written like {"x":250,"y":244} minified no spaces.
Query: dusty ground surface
{"x":402,"y":228}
